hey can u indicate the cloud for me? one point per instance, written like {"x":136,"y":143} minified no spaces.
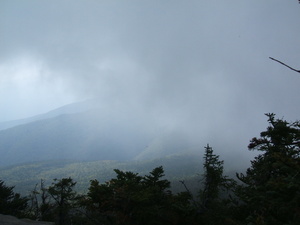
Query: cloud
{"x":26,"y":88}
{"x":199,"y":66}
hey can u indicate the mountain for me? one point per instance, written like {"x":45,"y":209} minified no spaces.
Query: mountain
{"x":166,"y":144}
{"x":80,"y":136}
{"x":81,"y":131}
{"x":87,"y":142}
{"x":76,"y":107}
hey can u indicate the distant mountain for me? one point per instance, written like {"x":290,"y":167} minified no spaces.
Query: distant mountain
{"x":80,"y":136}
{"x":76,"y":107}
{"x":166,"y":144}
{"x":82,"y":131}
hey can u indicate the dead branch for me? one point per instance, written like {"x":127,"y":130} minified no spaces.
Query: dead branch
{"x":298,"y":71}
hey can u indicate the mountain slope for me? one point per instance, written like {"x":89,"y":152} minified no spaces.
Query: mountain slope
{"x":76,"y":107}
{"x":25,"y":176}
{"x":81,"y":136}
{"x":83,"y":131}
{"x":166,"y":144}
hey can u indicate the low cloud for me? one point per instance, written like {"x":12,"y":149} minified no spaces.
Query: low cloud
{"x":201,"y":67}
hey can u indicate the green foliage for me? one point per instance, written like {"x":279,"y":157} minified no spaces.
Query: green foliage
{"x":55,"y":202}
{"x":62,"y":191}
{"x":213,"y":206}
{"x":271,"y":186}
{"x":25,"y":176}
{"x":133,"y":199}
{"x":213,"y":177}
{"x":10,"y":202}
{"x":268,"y":193}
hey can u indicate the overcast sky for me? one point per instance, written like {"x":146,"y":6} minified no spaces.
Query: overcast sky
{"x":200,"y":66}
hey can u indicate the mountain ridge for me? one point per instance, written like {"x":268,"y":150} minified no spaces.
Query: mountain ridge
{"x":71,"y":108}
{"x":90,"y":133}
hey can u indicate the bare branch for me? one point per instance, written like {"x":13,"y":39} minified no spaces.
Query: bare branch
{"x":188,"y":190}
{"x":298,"y":71}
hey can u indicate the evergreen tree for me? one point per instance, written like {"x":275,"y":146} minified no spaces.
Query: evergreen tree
{"x":62,"y":191}
{"x":271,"y":186}
{"x":213,"y":206}
{"x":133,"y":199}
{"x":11,"y":203}
{"x":213,"y":177}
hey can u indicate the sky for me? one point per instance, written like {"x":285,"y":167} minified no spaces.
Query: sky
{"x":202,"y":67}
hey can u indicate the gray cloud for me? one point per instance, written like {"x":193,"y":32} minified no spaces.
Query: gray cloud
{"x":198,"y":66}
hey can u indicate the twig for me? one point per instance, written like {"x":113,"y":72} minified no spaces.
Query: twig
{"x":298,"y":71}
{"x":190,"y":193}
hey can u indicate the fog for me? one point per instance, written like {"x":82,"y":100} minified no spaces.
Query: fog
{"x":198,"y":67}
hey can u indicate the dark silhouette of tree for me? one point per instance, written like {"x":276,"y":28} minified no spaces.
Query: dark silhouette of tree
{"x":40,"y":203}
{"x":213,"y":204}
{"x":62,"y":191}
{"x":271,"y":186}
{"x":133,"y":199}
{"x":11,"y":203}
{"x":213,"y":177}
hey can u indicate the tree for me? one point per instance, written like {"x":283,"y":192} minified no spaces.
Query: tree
{"x":40,"y":203}
{"x":212,"y":205}
{"x":271,"y":186}
{"x":213,"y":177}
{"x":62,"y":191}
{"x":134,"y":199}
{"x":11,"y":203}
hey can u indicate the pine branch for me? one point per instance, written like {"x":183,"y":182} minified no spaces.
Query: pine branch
{"x":298,"y":71}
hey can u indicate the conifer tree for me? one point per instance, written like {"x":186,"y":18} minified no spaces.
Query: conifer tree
{"x":213,"y":206}
{"x":133,"y":199}
{"x":271,"y":186}
{"x":10,"y":202}
{"x":213,"y":179}
{"x":62,"y":191}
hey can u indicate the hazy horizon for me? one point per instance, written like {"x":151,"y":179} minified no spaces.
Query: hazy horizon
{"x":198,"y":67}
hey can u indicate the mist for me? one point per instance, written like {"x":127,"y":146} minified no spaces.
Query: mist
{"x":200,"y":68}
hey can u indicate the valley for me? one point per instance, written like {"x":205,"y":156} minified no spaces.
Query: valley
{"x":177,"y":167}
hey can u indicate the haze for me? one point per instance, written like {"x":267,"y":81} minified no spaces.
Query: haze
{"x":198,"y":67}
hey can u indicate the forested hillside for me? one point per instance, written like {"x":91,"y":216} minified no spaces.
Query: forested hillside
{"x":267,"y":193}
{"x":25,"y":176}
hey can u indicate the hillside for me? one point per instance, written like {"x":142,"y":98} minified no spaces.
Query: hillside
{"x":82,"y":132}
{"x":81,"y":136}
{"x":177,"y":167}
{"x":75,"y":107}
{"x":85,"y":143}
